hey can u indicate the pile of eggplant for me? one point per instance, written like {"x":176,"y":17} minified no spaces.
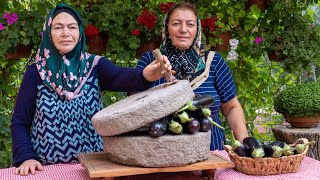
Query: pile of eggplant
{"x":252,"y":147}
{"x":193,"y":117}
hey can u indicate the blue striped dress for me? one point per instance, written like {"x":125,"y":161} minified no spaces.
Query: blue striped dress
{"x":219,"y":84}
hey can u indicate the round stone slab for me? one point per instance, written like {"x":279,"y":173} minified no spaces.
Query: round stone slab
{"x":164,"y":151}
{"x":142,"y":108}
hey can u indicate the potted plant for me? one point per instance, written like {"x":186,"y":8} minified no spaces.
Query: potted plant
{"x":292,"y":38}
{"x":96,"y":41}
{"x":149,"y":25}
{"x":219,"y":21}
{"x":299,"y":43}
{"x":116,"y":19}
{"x":21,"y":28}
{"x":300,"y":104}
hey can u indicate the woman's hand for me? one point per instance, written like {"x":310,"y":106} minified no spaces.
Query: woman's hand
{"x":27,"y":166}
{"x":153,"y":71}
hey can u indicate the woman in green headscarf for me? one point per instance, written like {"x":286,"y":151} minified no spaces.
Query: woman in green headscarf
{"x":60,"y":93}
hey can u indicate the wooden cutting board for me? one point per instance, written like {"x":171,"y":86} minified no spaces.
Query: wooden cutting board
{"x":97,"y":165}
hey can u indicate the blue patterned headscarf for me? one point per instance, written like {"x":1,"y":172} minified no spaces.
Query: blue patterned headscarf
{"x":188,"y":63}
{"x":64,"y":73}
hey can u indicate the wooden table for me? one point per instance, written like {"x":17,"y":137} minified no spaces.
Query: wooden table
{"x":97,"y":165}
{"x":290,"y":134}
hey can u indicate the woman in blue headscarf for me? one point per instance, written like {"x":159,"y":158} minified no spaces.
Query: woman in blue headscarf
{"x":207,"y":71}
{"x":61,"y":91}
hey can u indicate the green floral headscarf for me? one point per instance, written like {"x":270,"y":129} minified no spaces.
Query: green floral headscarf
{"x":188,"y":63}
{"x":64,"y":73}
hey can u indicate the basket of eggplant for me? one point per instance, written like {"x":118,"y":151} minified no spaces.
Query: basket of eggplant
{"x":254,"y":158}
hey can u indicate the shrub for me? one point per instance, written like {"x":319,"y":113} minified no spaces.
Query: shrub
{"x":299,"y":100}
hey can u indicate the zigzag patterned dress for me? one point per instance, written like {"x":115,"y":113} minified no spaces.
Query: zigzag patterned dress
{"x":52,"y":130}
{"x":62,"y":129}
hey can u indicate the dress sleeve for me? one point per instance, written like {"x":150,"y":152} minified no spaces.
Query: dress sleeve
{"x":115,"y":78}
{"x":22,"y":117}
{"x":223,"y":79}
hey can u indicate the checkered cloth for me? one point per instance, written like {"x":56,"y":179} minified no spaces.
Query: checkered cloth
{"x":309,"y":170}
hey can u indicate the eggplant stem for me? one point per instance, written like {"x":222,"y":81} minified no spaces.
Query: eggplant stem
{"x":232,"y":136}
{"x":189,"y":103}
{"x":214,"y":123}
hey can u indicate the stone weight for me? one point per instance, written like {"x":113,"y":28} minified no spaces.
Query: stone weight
{"x":142,"y":108}
{"x":164,"y":151}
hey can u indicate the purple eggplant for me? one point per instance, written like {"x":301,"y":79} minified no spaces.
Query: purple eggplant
{"x":192,"y":126}
{"x":255,"y":147}
{"x":239,"y":148}
{"x":277,"y":143}
{"x":286,"y":149}
{"x":272,"y":151}
{"x":205,"y":124}
{"x":157,"y":128}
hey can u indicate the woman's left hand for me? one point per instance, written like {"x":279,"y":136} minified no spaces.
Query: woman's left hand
{"x":153,"y":71}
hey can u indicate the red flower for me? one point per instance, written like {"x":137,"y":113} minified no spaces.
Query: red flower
{"x":135,"y":32}
{"x":164,"y":7}
{"x":91,"y":30}
{"x":147,"y":19}
{"x":209,"y":23}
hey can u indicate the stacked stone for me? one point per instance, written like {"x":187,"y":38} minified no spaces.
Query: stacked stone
{"x":141,"y":109}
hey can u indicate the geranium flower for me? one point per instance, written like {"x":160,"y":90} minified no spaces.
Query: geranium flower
{"x":164,"y":7}
{"x":232,"y":55}
{"x":135,"y":32}
{"x":147,"y":19}
{"x":91,"y":30}
{"x":1,"y":27}
{"x":258,"y":40}
{"x":234,"y":43}
{"x":10,"y":18}
{"x":6,"y":15}
{"x":209,"y":23}
{"x":14,"y":16}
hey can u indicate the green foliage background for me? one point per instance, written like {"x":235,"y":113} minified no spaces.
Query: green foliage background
{"x":257,"y":78}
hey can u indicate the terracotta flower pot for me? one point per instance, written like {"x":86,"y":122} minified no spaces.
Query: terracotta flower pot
{"x":303,"y":122}
{"x":148,"y":45}
{"x":21,"y":51}
{"x":261,"y":4}
{"x":97,"y":43}
{"x":225,"y":37}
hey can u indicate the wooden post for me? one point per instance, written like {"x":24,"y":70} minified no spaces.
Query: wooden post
{"x":289,"y":134}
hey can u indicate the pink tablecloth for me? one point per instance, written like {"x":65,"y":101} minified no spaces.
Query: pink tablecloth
{"x":309,"y":170}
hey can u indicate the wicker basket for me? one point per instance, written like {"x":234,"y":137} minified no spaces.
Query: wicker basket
{"x":268,"y":166}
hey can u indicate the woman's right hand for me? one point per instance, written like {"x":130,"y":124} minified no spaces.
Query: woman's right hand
{"x":29,"y":166}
